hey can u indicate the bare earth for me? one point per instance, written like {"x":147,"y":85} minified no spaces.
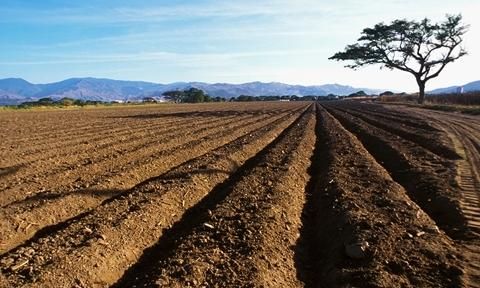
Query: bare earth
{"x":297,"y":194}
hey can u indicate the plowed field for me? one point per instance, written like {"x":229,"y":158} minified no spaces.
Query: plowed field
{"x":297,"y":194}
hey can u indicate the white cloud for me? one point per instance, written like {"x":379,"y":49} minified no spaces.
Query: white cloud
{"x":238,"y":41}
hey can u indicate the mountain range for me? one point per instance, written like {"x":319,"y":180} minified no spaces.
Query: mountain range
{"x":16,"y":90}
{"x":469,"y":87}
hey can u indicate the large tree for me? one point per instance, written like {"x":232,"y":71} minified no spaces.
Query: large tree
{"x":420,"y":48}
{"x":174,"y":95}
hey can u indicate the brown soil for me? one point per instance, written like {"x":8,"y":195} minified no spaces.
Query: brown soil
{"x":342,"y":194}
{"x":464,"y":132}
{"x":428,"y":178}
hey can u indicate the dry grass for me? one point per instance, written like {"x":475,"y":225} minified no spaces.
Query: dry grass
{"x":467,"y":103}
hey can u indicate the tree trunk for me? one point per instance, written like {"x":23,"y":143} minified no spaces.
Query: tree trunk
{"x":421,"y":92}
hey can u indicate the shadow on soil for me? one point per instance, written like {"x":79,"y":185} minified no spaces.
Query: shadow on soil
{"x":48,"y":230}
{"x":306,"y":248}
{"x":41,"y":198}
{"x":147,"y":269}
{"x":5,"y":171}
{"x":423,"y":188}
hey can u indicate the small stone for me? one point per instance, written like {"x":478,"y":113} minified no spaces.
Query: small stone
{"x":433,"y":229}
{"x":102,"y":242}
{"x":29,"y":252}
{"x":357,"y":250}
{"x":19,"y":265}
{"x":102,"y":236}
{"x":420,"y":233}
{"x":87,"y":230}
{"x":7,"y":261}
{"x":208,"y":225}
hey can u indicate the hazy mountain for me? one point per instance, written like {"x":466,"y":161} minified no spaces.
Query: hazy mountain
{"x":15,"y":90}
{"x":470,"y":87}
{"x":17,"y":86}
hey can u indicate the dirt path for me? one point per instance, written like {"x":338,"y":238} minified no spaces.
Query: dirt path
{"x":464,"y":132}
{"x":361,"y":222}
{"x":426,"y":176}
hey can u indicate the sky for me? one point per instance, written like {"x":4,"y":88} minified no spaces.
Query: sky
{"x":215,"y":41}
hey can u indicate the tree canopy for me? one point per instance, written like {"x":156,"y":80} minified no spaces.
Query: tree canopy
{"x":191,"y":95}
{"x":421,"y":48}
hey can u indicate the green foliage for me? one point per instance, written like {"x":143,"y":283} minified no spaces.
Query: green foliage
{"x":46,"y":100}
{"x":194,"y":95}
{"x":387,"y":93}
{"x":421,"y":48}
{"x":357,"y":94}
{"x":191,"y":95}
{"x":246,"y":98}
{"x":175,"y":96}
{"x":64,"y":102}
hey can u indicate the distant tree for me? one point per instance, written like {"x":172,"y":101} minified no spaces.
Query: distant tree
{"x":245,"y":98}
{"x":309,"y":98}
{"x":219,"y":99}
{"x":387,"y":93}
{"x":66,"y":101}
{"x":419,"y":48}
{"x":207,"y":98}
{"x":358,"y":93}
{"x":175,"y":95}
{"x":45,"y":101}
{"x":194,"y":95}
{"x":79,"y":102}
{"x":149,"y":100}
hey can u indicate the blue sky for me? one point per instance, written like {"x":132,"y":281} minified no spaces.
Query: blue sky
{"x":213,"y":41}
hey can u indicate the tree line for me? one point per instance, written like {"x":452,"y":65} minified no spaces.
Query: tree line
{"x":192,"y":95}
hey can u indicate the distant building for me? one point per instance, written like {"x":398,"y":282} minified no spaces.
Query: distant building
{"x":460,"y":90}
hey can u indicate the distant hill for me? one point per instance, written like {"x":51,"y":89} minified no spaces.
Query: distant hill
{"x":16,"y":90}
{"x":470,"y":87}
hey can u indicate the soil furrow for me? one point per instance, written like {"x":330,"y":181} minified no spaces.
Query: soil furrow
{"x":87,"y":150}
{"x":426,"y":177}
{"x":405,"y":119}
{"x":242,"y":234}
{"x":96,"y":249}
{"x":131,"y":122}
{"x":118,"y":123}
{"x":360,"y":227}
{"x":468,"y":178}
{"x":81,"y":142}
{"x":117,"y":161}
{"x":31,"y":124}
{"x":15,"y":219}
{"x":425,"y":139}
{"x":37,"y":126}
{"x":89,"y":162}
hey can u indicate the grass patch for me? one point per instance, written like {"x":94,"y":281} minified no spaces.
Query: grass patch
{"x":470,"y":110}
